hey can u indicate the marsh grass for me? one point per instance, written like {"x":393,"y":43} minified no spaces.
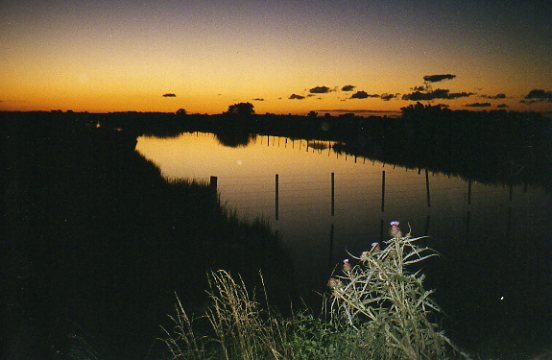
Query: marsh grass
{"x":378,"y":309}
{"x":239,"y":327}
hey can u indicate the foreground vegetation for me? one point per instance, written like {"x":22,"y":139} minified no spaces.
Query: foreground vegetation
{"x":378,"y":309}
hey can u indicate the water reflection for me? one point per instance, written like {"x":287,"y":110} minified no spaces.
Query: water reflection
{"x":493,"y":277}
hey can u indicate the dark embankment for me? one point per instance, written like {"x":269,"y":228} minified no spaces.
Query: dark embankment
{"x":95,"y":242}
{"x":495,"y":146}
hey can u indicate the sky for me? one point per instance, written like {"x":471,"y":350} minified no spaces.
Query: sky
{"x":282,"y":56}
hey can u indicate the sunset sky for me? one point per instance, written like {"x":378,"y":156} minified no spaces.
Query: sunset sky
{"x":124,"y":55}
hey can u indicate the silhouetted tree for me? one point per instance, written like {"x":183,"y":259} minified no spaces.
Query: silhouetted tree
{"x":181,"y":112}
{"x":312,"y":114}
{"x":241,"y":109}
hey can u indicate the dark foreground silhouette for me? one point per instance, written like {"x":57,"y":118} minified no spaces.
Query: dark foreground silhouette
{"x":95,"y":243}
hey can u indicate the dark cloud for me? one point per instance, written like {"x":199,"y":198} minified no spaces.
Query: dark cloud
{"x":495,"y":97}
{"x":258,"y":99}
{"x":502,"y":106}
{"x":310,"y":95}
{"x":387,"y":97}
{"x":529,"y":102}
{"x":169,"y":95}
{"x":361,"y":111}
{"x":362,"y":95}
{"x":478,"y":105}
{"x":537,"y":95}
{"x":436,"y":78}
{"x":435,"y":94}
{"x":296,"y":97}
{"x":418,"y":88}
{"x":320,"y":90}
{"x":348,"y":88}
{"x":443,"y":106}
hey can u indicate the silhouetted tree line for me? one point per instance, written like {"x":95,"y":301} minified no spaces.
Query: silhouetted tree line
{"x":499,"y":145}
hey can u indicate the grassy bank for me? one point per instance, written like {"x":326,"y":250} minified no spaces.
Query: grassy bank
{"x":95,"y":242}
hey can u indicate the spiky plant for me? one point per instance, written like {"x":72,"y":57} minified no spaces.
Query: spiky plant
{"x":383,"y":300}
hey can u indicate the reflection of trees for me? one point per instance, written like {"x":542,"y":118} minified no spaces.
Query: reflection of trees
{"x":234,"y":137}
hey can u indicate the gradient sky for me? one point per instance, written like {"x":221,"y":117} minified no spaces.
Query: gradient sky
{"x":124,"y":55}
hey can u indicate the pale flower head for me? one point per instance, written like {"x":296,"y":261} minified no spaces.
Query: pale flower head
{"x":346,"y":265}
{"x":375,"y":247}
{"x":333,"y":282}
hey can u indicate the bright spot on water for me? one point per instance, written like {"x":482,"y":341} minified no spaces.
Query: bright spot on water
{"x":502,"y":298}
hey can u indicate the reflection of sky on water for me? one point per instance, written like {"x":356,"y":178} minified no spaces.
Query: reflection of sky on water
{"x":246,"y":182}
{"x":492,"y":245}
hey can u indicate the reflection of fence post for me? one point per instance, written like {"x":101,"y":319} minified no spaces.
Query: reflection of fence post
{"x":277,"y":207}
{"x":469,"y":191}
{"x":509,"y":225}
{"x":428,"y":218}
{"x":333,"y":194}
{"x":331,"y":245}
{"x":511,"y":191}
{"x":468,"y":217}
{"x":427,"y":189}
{"x":382,"y":191}
{"x":381,"y":230}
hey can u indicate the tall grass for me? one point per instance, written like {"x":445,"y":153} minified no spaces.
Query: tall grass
{"x":378,"y":309}
{"x":239,"y":327}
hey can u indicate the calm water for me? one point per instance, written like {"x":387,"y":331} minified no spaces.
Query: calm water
{"x":493,"y":278}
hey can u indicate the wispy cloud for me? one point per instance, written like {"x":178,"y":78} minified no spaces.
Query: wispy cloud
{"x":537,"y":95}
{"x":440,"y":77}
{"x":387,"y":97}
{"x":169,"y":95}
{"x":320,"y":90}
{"x":296,"y":97}
{"x":258,"y":99}
{"x":502,"y":106}
{"x":435,"y":94}
{"x":494,"y":97}
{"x":362,"y":95}
{"x":348,"y":88}
{"x":478,"y":105}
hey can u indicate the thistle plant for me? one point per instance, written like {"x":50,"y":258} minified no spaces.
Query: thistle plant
{"x":379,"y":309}
{"x":386,"y":303}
